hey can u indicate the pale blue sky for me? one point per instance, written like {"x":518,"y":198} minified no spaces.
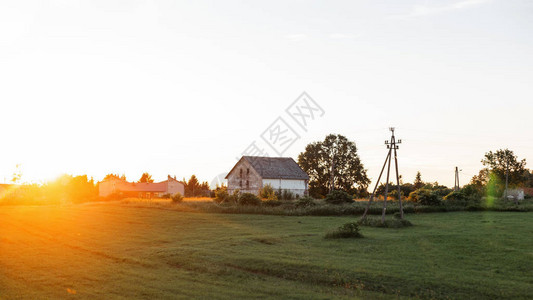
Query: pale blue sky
{"x":92,"y":87}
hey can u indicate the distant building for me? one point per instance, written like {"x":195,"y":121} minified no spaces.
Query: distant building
{"x":140,"y":189}
{"x":252,"y":173}
{"x":517,"y":194}
{"x":528,"y":192}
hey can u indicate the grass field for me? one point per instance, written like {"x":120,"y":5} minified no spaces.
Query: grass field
{"x":110,"y":250}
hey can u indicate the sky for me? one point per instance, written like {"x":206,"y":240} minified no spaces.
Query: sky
{"x":182,"y":88}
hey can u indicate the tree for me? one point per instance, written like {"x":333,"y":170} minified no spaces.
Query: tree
{"x":481,"y":179}
{"x":146,"y":178}
{"x":502,"y":160}
{"x":115,"y":176}
{"x":68,"y":188}
{"x":529,"y":182}
{"x":418,"y":181}
{"x":491,"y":179}
{"x":405,"y":189}
{"x":193,"y":187}
{"x":348,"y":171}
{"x":17,"y":175}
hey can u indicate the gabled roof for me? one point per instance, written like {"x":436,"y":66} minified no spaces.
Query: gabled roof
{"x":275,"y":167}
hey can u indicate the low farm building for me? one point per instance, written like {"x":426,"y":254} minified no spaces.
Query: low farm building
{"x":252,"y":173}
{"x":122,"y":187}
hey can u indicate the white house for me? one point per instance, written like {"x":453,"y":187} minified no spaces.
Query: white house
{"x":517,"y":194}
{"x":252,"y":173}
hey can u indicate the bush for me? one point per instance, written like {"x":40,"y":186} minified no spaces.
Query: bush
{"x":165,"y":196}
{"x":348,"y":230}
{"x":305,"y":202}
{"x":234,"y":198}
{"x":456,"y":196}
{"x":441,"y":191}
{"x":287,"y":195}
{"x":376,"y":222}
{"x":468,"y":196}
{"x":177,"y":198}
{"x":338,"y":197}
{"x":267,"y":192}
{"x":272,"y":197}
{"x":425,"y":196}
{"x":221,"y":195}
{"x":272,"y":203}
{"x":249,"y":199}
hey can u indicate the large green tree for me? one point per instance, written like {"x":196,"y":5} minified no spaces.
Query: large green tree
{"x":500,"y":161}
{"x":496,"y":164}
{"x":338,"y":155}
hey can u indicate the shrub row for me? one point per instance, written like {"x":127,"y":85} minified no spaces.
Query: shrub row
{"x":311,"y":207}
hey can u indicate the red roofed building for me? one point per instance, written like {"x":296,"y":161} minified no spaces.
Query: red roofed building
{"x":528,"y":191}
{"x":140,"y":189}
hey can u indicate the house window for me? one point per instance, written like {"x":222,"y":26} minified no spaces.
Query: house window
{"x":240,"y":173}
{"x":247,"y":184}
{"x":240,"y":183}
{"x":248,"y":171}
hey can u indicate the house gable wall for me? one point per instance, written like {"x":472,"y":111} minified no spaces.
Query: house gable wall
{"x":108,"y":187}
{"x":247,"y":181}
{"x":174,"y":187}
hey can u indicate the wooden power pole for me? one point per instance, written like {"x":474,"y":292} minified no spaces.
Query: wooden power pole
{"x":456,"y":185}
{"x":392,"y":145}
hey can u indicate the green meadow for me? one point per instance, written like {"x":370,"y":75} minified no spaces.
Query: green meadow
{"x":113,"y":250}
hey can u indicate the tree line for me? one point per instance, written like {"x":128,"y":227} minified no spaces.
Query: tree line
{"x":76,"y":189}
{"x":334,"y":164}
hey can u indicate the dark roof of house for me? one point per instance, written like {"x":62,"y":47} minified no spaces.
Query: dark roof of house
{"x":275,"y":167}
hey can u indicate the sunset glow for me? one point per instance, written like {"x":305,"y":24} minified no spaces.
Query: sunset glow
{"x":174,"y":88}
{"x":280,"y":149}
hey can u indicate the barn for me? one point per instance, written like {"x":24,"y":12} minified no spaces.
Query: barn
{"x":140,"y":189}
{"x":251,"y":173}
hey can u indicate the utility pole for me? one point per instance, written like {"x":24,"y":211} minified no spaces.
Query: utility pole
{"x":392,"y":145}
{"x":456,"y":185}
